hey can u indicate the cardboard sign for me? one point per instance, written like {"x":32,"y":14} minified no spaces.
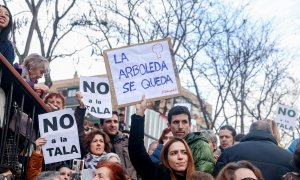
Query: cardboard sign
{"x":96,"y":96}
{"x":145,"y":69}
{"x":286,"y":117}
{"x":60,"y":130}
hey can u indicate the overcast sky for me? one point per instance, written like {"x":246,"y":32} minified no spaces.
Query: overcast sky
{"x":285,"y":16}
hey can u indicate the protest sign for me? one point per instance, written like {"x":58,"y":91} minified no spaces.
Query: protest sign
{"x":286,"y":117}
{"x":144,"y":69}
{"x":60,"y":130}
{"x":96,"y":96}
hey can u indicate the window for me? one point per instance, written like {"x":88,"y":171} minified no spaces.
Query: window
{"x":72,"y":92}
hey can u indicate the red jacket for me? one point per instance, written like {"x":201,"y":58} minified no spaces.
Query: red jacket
{"x":35,"y":166}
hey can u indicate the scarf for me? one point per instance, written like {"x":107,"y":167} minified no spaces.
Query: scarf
{"x":91,"y":160}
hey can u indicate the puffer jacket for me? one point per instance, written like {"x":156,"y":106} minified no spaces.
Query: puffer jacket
{"x":259,"y":148}
{"x":202,"y":153}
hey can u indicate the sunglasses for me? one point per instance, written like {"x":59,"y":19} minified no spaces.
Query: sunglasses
{"x":8,"y":177}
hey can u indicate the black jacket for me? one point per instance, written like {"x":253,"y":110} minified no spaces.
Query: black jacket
{"x":261,"y":149}
{"x":7,"y":50}
{"x":138,"y":155}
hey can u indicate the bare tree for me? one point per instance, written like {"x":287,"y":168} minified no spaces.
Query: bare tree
{"x":221,"y":45}
{"x":136,"y":21}
{"x":47,"y":28}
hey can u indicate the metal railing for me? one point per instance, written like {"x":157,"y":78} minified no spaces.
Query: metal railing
{"x":20,"y":107}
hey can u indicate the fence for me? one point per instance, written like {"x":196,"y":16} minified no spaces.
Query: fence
{"x":19,"y":109}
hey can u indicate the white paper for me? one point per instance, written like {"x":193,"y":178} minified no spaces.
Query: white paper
{"x":286,"y":117}
{"x":96,"y":96}
{"x":60,"y":130}
{"x":142,"y":69}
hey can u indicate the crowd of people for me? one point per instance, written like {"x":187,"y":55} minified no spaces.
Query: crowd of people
{"x":179,"y":154}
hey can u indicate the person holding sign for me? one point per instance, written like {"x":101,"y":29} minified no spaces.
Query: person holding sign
{"x":36,"y":163}
{"x":96,"y":143}
{"x":176,"y":157}
{"x":56,"y":102}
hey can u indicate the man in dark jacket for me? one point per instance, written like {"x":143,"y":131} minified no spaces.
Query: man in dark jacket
{"x":119,"y":142}
{"x":260,"y":148}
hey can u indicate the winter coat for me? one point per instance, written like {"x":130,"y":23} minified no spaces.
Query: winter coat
{"x":155,"y":156}
{"x":139,"y":157}
{"x":119,"y":144}
{"x":7,"y":50}
{"x":202,"y":153}
{"x":36,"y":160}
{"x":35,"y":166}
{"x":260,"y":148}
{"x":293,"y":145}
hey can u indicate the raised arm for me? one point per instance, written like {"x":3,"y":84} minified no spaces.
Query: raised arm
{"x":36,"y":160}
{"x":137,"y":152}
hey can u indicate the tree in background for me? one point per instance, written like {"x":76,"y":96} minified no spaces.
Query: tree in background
{"x":219,"y":51}
{"x":46,"y":24}
{"x":238,"y":58}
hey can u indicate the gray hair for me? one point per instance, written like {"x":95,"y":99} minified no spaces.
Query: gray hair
{"x":35,"y":60}
{"x":152,"y":143}
{"x":107,"y":156}
{"x":260,"y":126}
{"x":48,"y":175}
{"x":210,"y":136}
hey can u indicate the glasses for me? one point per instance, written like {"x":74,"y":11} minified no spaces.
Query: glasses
{"x":8,"y":177}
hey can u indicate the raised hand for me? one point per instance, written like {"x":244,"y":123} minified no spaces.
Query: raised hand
{"x":141,"y":107}
{"x":79,"y":99}
{"x":39,"y":143}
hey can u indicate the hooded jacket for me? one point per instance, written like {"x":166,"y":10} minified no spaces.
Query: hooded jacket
{"x":202,"y":153}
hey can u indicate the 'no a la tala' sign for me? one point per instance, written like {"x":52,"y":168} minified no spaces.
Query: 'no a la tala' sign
{"x":286,"y":117}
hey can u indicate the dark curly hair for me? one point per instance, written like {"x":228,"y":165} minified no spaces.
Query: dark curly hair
{"x":88,"y":138}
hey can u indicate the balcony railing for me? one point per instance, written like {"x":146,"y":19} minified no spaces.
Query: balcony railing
{"x":20,"y":107}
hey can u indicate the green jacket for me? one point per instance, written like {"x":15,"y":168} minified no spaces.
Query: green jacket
{"x":202,"y":153}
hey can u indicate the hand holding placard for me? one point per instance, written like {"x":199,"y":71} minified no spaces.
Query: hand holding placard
{"x":148,"y":69}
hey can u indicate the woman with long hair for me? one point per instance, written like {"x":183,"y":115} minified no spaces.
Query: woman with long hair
{"x":6,"y":24}
{"x":176,"y":157}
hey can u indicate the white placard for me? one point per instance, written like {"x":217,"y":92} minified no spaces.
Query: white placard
{"x":96,"y":96}
{"x":60,"y":130}
{"x":286,"y":117}
{"x":145,"y":69}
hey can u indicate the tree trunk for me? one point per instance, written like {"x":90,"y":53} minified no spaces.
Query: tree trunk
{"x":48,"y":80}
